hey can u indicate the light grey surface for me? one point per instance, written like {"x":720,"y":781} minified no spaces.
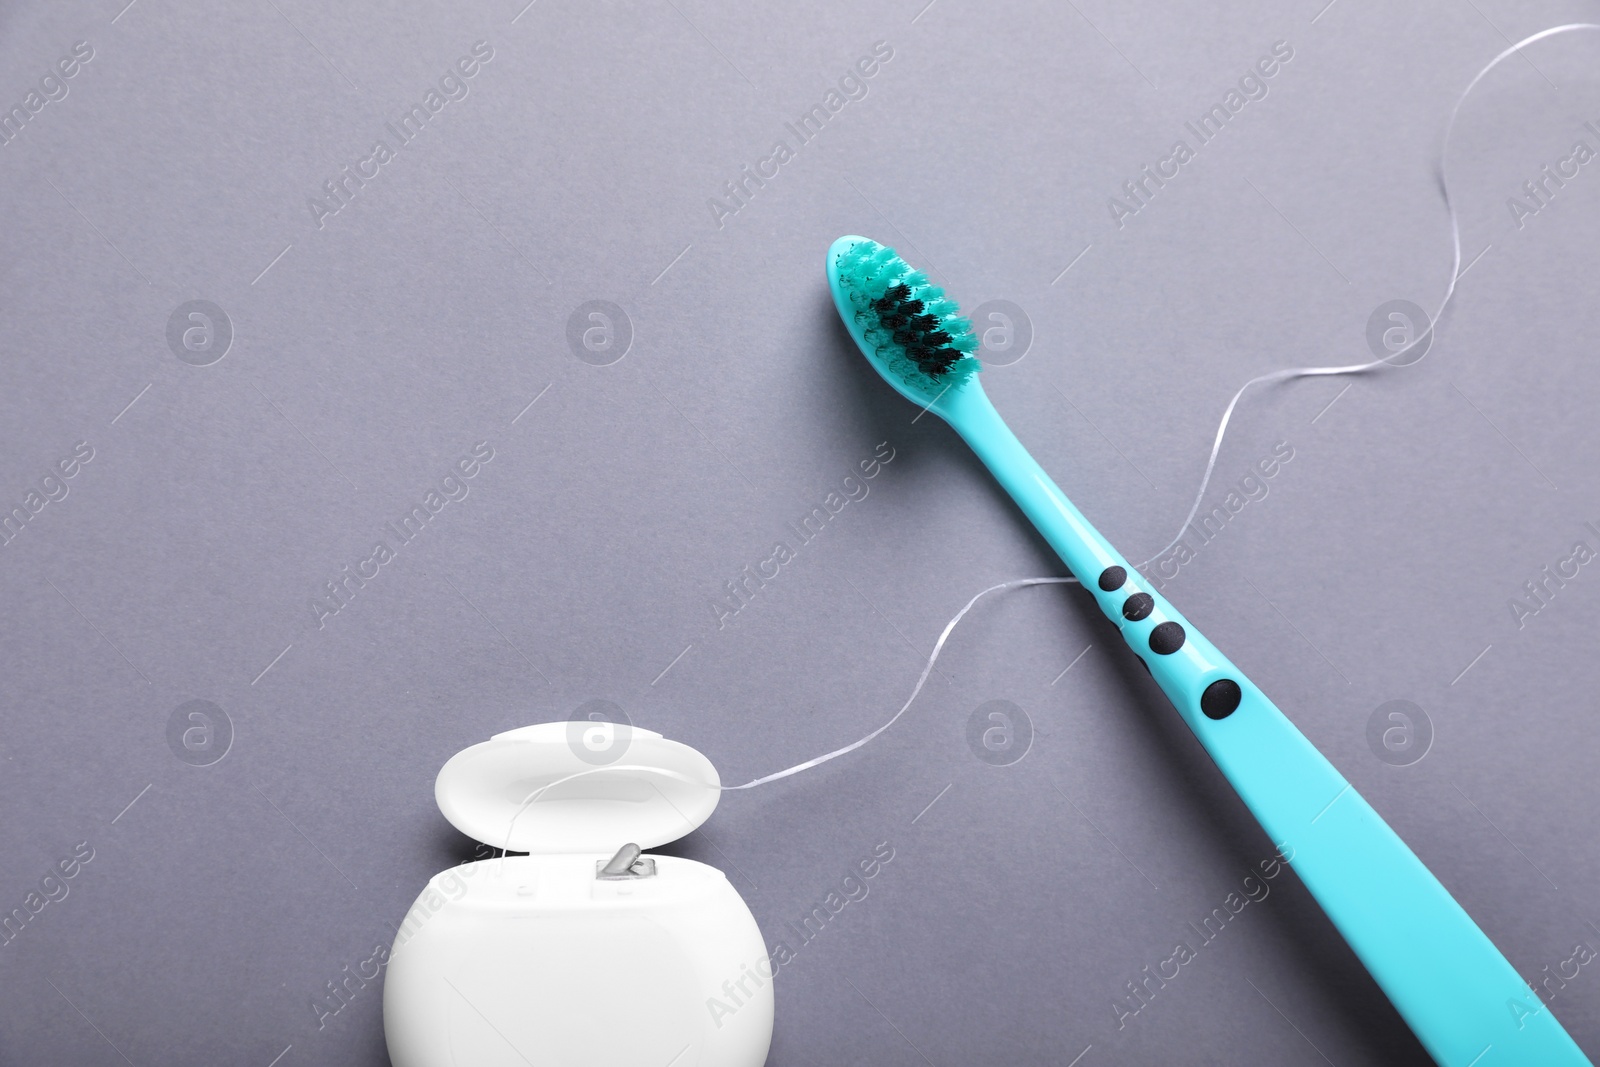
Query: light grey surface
{"x":370,"y":353}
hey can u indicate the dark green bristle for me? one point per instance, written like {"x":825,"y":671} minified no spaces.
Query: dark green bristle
{"x":913,"y":328}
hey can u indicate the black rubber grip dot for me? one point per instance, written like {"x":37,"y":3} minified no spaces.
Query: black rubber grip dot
{"x":1167,"y":638}
{"x":1138,"y":606}
{"x":1113,"y":578}
{"x":1221,"y":698}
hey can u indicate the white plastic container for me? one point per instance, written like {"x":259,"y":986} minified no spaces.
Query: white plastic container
{"x":546,"y":958}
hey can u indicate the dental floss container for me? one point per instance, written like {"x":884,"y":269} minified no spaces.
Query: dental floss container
{"x":584,"y":952}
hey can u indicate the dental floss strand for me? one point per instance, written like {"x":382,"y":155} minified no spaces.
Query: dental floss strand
{"x":1288,"y":374}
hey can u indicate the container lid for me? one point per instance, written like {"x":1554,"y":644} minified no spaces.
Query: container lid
{"x":573,"y":787}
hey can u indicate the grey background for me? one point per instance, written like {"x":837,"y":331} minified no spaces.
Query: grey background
{"x":372,"y":352}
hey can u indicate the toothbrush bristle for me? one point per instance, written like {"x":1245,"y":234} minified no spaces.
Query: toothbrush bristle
{"x":918,"y":333}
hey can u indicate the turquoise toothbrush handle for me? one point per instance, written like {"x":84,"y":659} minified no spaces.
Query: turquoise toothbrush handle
{"x":1459,"y":995}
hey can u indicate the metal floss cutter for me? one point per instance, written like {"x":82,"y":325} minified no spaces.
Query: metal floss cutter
{"x":583,"y":953}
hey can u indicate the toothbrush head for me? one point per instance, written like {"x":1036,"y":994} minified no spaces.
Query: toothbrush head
{"x":913,"y":334}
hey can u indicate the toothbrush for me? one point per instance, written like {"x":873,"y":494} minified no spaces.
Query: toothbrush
{"x":1459,"y":995}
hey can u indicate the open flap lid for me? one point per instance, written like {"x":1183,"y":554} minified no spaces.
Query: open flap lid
{"x":582,"y":786}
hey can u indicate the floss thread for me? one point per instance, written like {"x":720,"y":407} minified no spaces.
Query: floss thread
{"x":1424,"y":338}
